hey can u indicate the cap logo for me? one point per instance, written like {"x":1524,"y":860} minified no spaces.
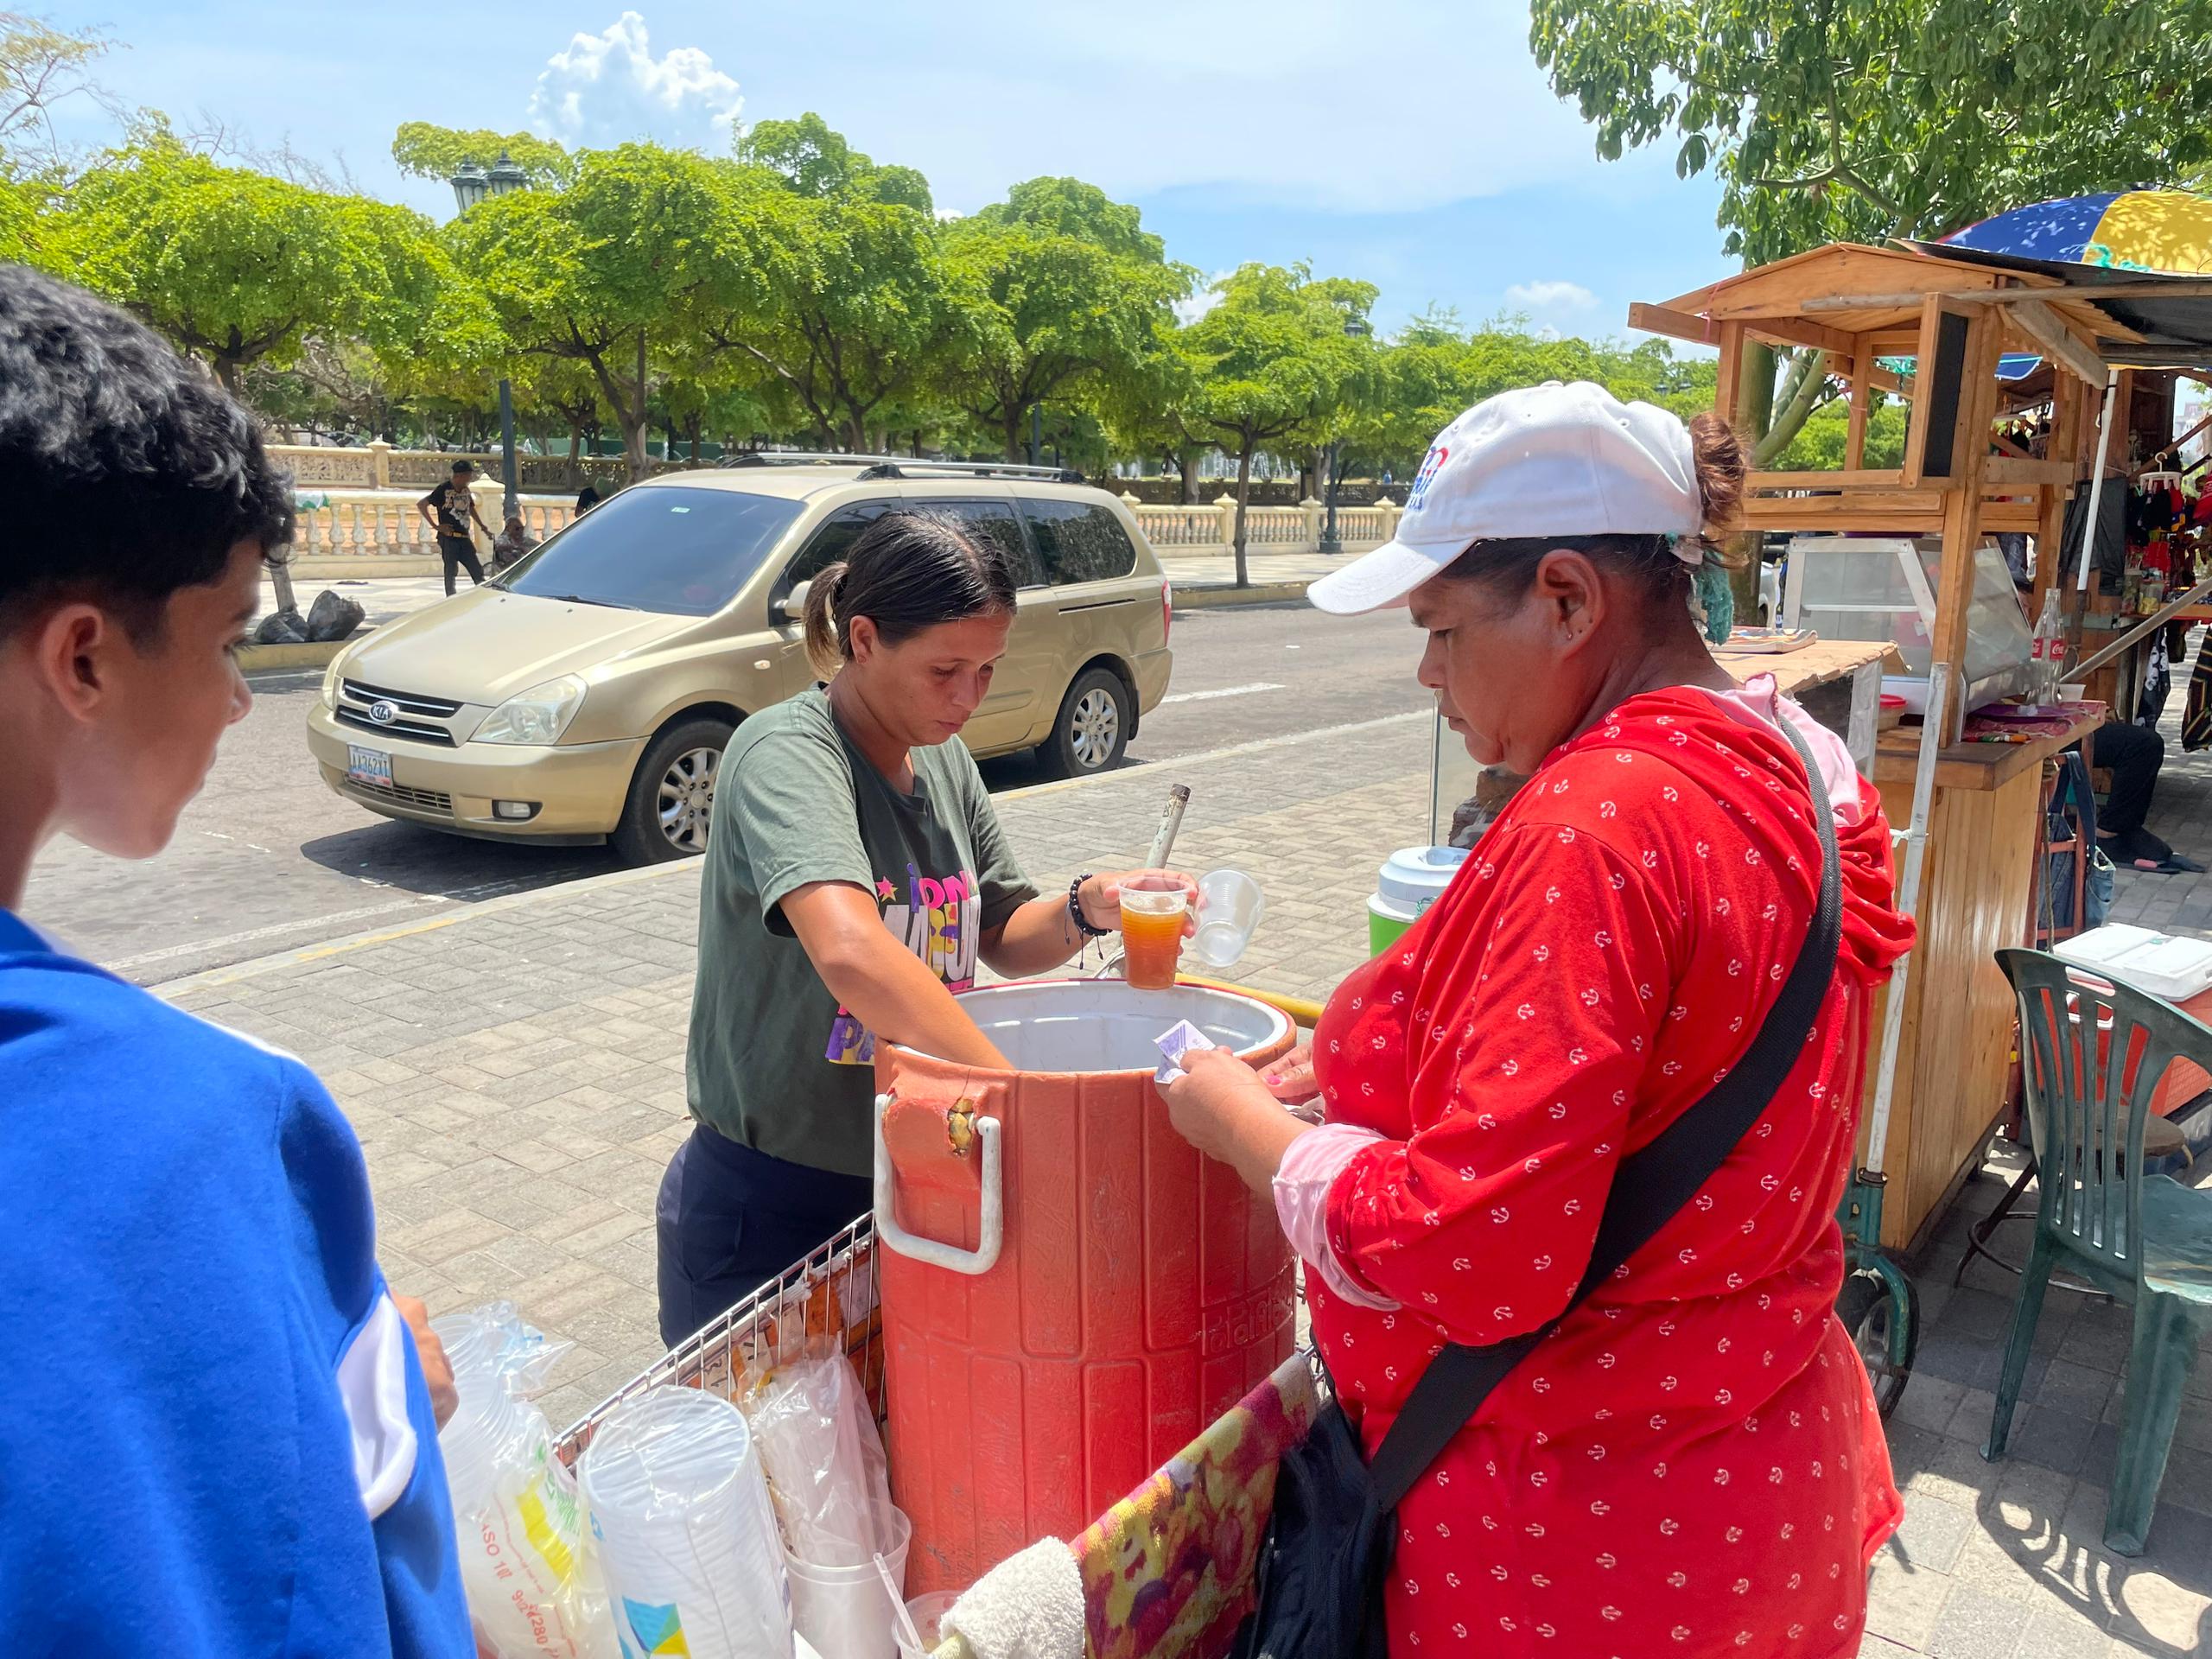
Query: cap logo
{"x":1435,"y":458}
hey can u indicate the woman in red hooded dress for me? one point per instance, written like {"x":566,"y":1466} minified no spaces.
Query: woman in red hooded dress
{"x":1692,"y":1463}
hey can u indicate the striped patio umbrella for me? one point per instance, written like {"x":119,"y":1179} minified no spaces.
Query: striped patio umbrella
{"x":2165,"y":231}
{"x":2169,"y":231}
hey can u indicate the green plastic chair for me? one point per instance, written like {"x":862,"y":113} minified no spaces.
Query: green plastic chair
{"x":2147,"y":1240}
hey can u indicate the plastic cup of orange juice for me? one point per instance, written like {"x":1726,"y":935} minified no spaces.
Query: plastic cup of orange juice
{"x":1153,"y":909}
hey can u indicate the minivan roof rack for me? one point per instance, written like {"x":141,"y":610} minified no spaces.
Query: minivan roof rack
{"x":903,"y":466}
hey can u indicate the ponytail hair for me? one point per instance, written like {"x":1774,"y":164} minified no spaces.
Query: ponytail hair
{"x":908,"y":571}
{"x":1723,"y":464}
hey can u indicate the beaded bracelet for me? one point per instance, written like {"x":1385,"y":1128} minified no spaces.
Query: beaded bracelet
{"x":1075,"y":909}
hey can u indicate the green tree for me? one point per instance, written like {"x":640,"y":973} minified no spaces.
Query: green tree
{"x":1819,"y":445}
{"x":1065,"y":206}
{"x":424,"y":150}
{"x":610,"y":270}
{"x":1432,"y":372}
{"x":815,"y":162}
{"x":18,"y":220}
{"x":42,"y":67}
{"x":1864,"y":119}
{"x":843,"y":304}
{"x":1270,"y":359}
{"x":1062,"y":293}
{"x":1149,"y":413}
{"x":237,"y":267}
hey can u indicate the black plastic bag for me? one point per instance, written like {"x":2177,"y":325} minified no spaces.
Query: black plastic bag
{"x":282,"y":628}
{"x":1328,"y":1546}
{"x":332,"y":617}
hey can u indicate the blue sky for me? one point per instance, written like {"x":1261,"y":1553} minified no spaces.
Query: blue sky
{"x":1410,"y":143}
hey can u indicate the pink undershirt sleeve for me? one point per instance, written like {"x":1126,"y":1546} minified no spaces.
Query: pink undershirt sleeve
{"x":1310,"y":1167}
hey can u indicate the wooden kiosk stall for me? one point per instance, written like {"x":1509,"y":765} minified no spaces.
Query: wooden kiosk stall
{"x":1971,"y":811}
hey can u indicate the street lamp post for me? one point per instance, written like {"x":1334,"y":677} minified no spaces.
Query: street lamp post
{"x":1332,"y":541}
{"x":471,"y":184}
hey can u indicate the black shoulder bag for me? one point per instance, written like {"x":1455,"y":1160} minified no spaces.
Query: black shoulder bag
{"x":1320,"y":1572}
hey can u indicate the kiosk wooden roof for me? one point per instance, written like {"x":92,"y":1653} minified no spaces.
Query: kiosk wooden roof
{"x":1955,"y":312}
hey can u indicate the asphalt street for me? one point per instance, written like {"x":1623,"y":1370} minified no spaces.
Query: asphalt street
{"x":268,"y":859}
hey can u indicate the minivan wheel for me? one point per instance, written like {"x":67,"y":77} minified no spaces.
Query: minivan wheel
{"x":1092,"y":731}
{"x":673,"y":794}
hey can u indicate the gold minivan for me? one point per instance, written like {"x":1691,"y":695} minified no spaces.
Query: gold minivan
{"x":584,"y":693}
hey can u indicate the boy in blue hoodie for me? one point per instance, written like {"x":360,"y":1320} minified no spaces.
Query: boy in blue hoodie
{"x":216,"y":1431}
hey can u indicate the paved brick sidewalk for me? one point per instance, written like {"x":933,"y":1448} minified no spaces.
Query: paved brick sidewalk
{"x":516,"y":1073}
{"x":2006,"y":1560}
{"x":516,"y":1070}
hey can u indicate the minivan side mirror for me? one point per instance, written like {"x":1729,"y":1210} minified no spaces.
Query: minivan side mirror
{"x":792,"y":607}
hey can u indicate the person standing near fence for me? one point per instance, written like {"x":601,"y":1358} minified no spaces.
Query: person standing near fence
{"x":448,"y":510}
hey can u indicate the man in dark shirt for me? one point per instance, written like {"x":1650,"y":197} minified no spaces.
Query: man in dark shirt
{"x":447,"y":510}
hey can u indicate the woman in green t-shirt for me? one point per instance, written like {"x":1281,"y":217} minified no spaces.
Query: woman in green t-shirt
{"x":855,"y":876}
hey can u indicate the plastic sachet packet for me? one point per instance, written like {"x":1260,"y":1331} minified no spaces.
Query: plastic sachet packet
{"x":1181,"y":1038}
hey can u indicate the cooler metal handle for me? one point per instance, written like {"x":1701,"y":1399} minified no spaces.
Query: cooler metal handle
{"x":929,"y":1251}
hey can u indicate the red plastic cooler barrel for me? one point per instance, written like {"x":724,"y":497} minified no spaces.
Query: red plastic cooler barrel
{"x":1070,"y":1293}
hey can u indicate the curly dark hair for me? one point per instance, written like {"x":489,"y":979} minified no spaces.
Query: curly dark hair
{"x":127,"y":473}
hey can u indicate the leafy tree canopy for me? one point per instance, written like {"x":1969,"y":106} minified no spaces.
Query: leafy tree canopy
{"x":848,"y":312}
{"x":1069,"y":207}
{"x":1060,"y":292}
{"x":610,"y":270}
{"x":815,"y":161}
{"x":236,"y":266}
{"x":425,"y":151}
{"x":1862,"y":119}
{"x":1431,"y":373}
{"x":1274,"y":358}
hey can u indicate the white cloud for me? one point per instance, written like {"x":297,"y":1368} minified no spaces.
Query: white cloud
{"x":608,"y":88}
{"x":1550,"y":296}
{"x":1208,"y":295}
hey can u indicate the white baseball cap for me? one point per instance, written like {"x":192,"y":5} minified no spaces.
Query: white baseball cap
{"x":1553,"y":460}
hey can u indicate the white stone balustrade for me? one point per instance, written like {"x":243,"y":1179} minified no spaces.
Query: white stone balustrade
{"x":352,"y":522}
{"x":1212,"y":528}
{"x":372,"y":523}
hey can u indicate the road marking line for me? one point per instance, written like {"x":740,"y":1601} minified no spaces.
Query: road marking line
{"x":1226,"y":691}
{"x":1256,"y":746}
{"x":172,"y":952}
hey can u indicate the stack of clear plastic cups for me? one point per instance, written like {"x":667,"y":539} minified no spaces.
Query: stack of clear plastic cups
{"x":679,"y":1507}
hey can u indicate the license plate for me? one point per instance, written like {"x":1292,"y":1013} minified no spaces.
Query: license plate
{"x":368,"y":766}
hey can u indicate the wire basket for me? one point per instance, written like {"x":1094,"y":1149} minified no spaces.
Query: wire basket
{"x":831,"y":1293}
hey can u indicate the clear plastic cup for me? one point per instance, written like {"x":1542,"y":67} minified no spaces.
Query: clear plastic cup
{"x":1230,"y":906}
{"x":847,"y":1611}
{"x":680,"y":1509}
{"x":1153,"y":908}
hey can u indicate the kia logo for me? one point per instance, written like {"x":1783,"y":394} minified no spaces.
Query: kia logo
{"x":384,"y":713}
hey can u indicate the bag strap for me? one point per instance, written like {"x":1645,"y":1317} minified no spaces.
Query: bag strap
{"x":2081,"y":791}
{"x":1650,"y":1185}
